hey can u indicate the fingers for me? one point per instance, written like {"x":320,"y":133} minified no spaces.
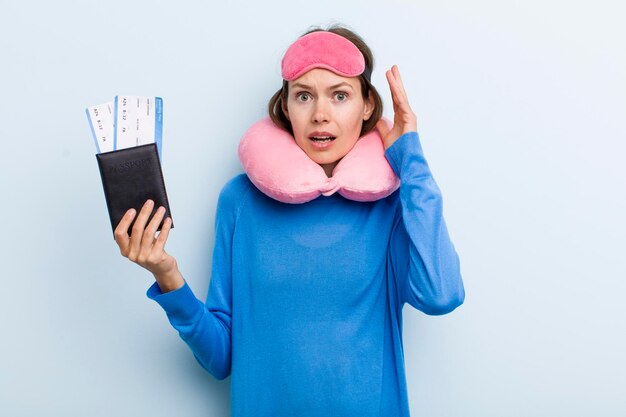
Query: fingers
{"x":121,"y":232}
{"x":403,"y":114}
{"x":142,"y":247}
{"x":148,"y":252}
{"x":398,"y":94}
{"x":138,"y":229}
{"x":165,"y":231}
{"x":142,"y":242}
{"x":148,"y":235}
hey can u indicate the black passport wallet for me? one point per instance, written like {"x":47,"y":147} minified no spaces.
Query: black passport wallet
{"x":130,"y":177}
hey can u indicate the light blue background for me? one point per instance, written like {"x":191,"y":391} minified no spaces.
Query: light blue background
{"x":521,"y":109}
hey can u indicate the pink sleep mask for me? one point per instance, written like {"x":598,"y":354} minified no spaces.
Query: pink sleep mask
{"x":278,"y":167}
{"x":322,"y":50}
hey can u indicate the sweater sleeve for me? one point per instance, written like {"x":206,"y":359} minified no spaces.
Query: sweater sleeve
{"x":206,"y":327}
{"x":423,"y":260}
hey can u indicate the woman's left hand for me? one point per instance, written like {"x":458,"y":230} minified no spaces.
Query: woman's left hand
{"x":404,"y":120}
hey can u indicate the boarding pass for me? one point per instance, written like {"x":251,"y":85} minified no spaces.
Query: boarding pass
{"x":126,"y":122}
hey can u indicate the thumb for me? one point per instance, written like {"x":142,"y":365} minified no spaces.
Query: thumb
{"x":383,"y":128}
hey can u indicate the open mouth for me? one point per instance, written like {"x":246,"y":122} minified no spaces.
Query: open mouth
{"x":322,"y":139}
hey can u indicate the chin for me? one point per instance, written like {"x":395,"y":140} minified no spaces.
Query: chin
{"x":325,"y":159}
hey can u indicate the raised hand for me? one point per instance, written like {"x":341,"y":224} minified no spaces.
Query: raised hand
{"x":404,"y":120}
{"x":147,"y":251}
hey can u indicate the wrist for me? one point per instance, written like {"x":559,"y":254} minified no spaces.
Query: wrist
{"x":170,"y":281}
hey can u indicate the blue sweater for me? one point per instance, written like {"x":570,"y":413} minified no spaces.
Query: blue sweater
{"x":305,"y":300}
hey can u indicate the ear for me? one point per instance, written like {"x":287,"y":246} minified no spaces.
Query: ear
{"x":369,"y":108}
{"x":283,"y":106}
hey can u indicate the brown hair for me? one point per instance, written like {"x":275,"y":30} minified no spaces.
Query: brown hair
{"x":275,"y":107}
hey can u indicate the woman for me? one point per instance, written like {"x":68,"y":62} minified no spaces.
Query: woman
{"x":306,"y":293}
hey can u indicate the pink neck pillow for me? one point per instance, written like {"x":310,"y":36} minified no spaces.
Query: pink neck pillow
{"x":278,"y":167}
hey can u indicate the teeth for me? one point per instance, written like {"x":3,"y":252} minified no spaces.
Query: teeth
{"x":322,"y":138}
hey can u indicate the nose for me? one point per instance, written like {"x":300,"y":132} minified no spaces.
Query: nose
{"x":320,"y":112}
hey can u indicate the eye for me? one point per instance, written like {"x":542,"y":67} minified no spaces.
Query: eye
{"x":303,"y":96}
{"x":341,"y":96}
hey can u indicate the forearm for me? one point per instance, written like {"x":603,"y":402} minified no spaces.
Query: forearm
{"x":426,"y":263}
{"x":206,"y":331}
{"x":434,"y":283}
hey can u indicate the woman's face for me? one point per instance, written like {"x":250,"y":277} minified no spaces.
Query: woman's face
{"x":326,"y":112}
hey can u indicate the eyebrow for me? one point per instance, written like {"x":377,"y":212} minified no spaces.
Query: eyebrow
{"x":332,"y":87}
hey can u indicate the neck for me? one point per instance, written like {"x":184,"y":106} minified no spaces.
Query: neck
{"x":328,"y":168}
